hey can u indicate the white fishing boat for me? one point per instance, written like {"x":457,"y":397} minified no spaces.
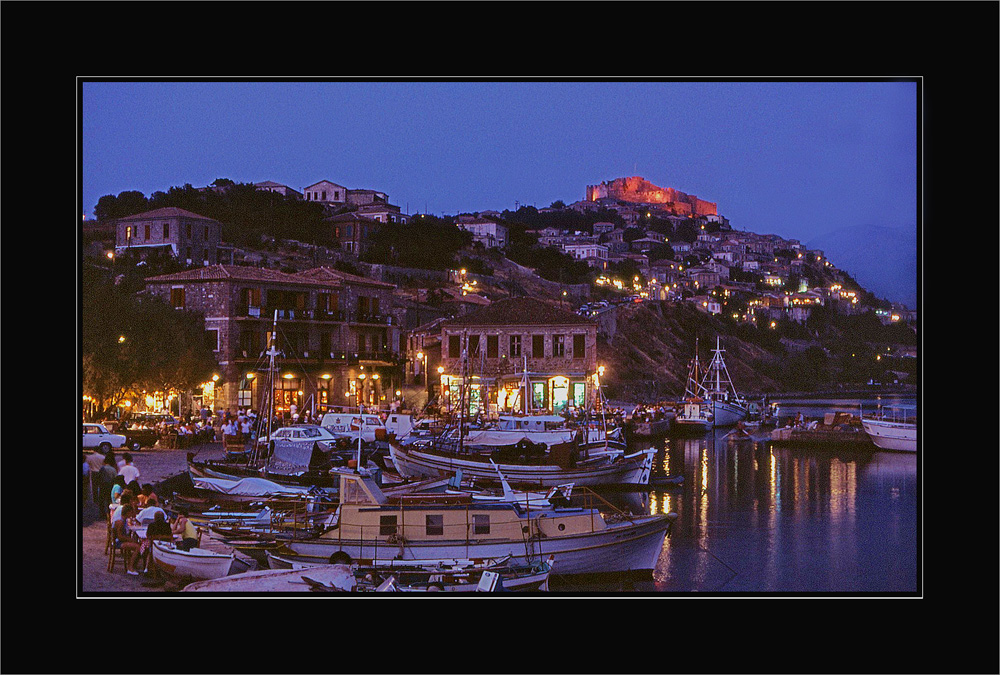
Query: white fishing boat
{"x":393,"y":576}
{"x":194,"y":563}
{"x":694,"y":413}
{"x":892,"y":427}
{"x":726,"y":405}
{"x":525,"y":463}
{"x":370,"y":525}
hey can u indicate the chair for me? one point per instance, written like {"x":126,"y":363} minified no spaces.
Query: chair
{"x":110,"y":540}
{"x":116,"y":549}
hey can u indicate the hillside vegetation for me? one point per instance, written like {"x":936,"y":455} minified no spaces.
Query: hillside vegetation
{"x":649,"y":355}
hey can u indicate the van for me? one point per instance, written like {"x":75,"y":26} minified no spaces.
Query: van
{"x":352,"y":422}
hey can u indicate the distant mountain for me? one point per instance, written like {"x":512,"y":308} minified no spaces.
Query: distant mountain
{"x":882,"y":259}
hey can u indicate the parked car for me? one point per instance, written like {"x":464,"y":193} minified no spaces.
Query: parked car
{"x":97,"y":437}
{"x":304,"y":432}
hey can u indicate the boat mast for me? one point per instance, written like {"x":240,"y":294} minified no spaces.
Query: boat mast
{"x":461,"y":396}
{"x":272,"y":353}
{"x":524,"y":383}
{"x":723,"y":382}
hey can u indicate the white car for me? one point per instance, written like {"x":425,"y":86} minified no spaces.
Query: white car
{"x":302,"y":432}
{"x":97,"y":437}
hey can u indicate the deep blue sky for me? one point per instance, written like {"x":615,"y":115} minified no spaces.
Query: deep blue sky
{"x":798,"y":159}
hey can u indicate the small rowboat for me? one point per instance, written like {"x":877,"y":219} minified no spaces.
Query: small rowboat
{"x":194,"y":563}
{"x":389,"y":576}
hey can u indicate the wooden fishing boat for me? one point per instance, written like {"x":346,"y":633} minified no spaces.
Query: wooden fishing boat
{"x":194,"y":563}
{"x":369,"y":524}
{"x":525,"y":464}
{"x":390,"y":577}
{"x":445,"y":575}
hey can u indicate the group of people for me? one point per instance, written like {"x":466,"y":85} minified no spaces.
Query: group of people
{"x":113,"y":485}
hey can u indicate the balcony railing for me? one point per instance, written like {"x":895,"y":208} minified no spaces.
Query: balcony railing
{"x":317,"y":356}
{"x":381,"y":319}
{"x":287,"y":314}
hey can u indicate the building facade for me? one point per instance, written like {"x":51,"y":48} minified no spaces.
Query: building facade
{"x":325,"y":192}
{"x":513,"y":345}
{"x":337,"y":338}
{"x":187,"y":236}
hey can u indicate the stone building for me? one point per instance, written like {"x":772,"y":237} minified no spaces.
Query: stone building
{"x":332,"y":327}
{"x":637,"y":190}
{"x":516,"y":340}
{"x":351,"y":231}
{"x":326,"y":192}
{"x":271,"y":186}
{"x":489,"y":233}
{"x":187,"y":236}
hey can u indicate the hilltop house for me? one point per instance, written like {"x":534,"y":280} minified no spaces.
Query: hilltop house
{"x":489,"y":233}
{"x":326,"y":192}
{"x":192,"y":238}
{"x":271,"y":186}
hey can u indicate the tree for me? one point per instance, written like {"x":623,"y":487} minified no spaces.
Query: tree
{"x":125,"y":349}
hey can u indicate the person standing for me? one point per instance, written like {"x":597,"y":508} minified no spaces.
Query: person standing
{"x":95,"y":460}
{"x":106,"y":480}
{"x":128,"y":470}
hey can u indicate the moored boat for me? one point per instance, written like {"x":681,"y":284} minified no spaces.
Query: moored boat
{"x":388,"y":576}
{"x":426,"y":575}
{"x":725,"y":404}
{"x":193,"y":563}
{"x":524,"y":463}
{"x":368,"y":524}
{"x":892,"y":427}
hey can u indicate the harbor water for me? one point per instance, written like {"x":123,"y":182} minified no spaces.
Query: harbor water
{"x":757,"y":519}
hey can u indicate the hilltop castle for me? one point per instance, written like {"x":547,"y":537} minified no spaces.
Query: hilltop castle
{"x":636,"y":189}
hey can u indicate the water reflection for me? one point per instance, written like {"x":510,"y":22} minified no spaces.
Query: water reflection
{"x":753,"y":518}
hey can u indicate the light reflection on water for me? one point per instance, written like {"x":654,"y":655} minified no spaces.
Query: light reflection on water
{"x":760,"y":519}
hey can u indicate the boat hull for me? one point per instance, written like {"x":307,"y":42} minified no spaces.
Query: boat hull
{"x":626,"y":546}
{"x":726,"y":414}
{"x":896,"y":436}
{"x":195,"y":563}
{"x":535,"y":578}
{"x":634,"y":469}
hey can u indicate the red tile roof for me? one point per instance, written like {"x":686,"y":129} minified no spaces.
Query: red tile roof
{"x":520,"y":312}
{"x":241,"y":273}
{"x":331,"y":274}
{"x":167,"y":212}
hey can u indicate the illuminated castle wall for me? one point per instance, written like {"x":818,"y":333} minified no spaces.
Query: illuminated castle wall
{"x":639,"y":190}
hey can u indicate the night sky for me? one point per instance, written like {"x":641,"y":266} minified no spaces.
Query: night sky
{"x":797,"y":159}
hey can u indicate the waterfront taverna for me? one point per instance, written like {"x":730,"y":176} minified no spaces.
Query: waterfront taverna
{"x":519,"y":344}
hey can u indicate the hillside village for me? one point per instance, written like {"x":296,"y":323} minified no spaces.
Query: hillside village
{"x":629,"y":277}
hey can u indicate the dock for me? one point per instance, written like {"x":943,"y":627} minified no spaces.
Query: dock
{"x":836,"y":429}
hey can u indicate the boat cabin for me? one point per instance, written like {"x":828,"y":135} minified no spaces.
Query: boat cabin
{"x":530,"y":422}
{"x":367,"y":514}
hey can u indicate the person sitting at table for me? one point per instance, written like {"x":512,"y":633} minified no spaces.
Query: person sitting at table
{"x":148,"y":514}
{"x":160,"y":530}
{"x":144,"y":494}
{"x":126,"y":539}
{"x":184,"y":528}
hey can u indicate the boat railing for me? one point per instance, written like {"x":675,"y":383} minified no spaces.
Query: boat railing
{"x":896,"y":414}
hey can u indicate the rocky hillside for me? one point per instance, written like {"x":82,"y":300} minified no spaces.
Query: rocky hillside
{"x":648,"y":358}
